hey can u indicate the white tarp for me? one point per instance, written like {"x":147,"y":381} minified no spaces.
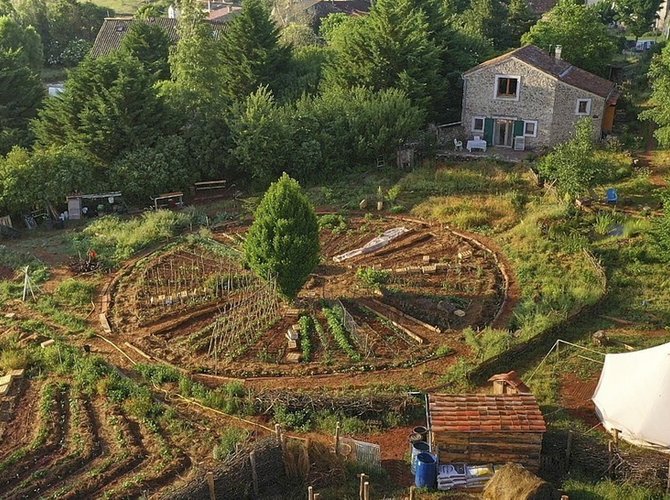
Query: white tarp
{"x":633,"y":396}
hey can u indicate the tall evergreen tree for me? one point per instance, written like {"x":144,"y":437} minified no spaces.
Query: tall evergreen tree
{"x":283,"y":241}
{"x":520,"y":18}
{"x":21,"y":93}
{"x":488,"y":19}
{"x":109,"y":106}
{"x":391,"y":47}
{"x":150,"y":44}
{"x":251,"y":54}
{"x":659,"y":113}
{"x":27,"y":41}
{"x":578,"y":29}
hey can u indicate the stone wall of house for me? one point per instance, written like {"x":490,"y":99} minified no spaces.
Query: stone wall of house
{"x":565,"y":112}
{"x":536,"y":98}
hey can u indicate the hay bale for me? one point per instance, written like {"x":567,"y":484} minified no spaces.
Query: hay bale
{"x":514,"y":482}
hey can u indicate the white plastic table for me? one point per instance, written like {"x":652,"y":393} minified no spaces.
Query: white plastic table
{"x":476,"y":144}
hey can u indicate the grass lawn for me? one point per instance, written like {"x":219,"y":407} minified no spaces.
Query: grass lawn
{"x":120,"y":6}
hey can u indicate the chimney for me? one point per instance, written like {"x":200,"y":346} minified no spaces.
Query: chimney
{"x":557,"y":52}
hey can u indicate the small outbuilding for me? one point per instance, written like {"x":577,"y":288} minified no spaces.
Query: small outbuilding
{"x":486,"y":428}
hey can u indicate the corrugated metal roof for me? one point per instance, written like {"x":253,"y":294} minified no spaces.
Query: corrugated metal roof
{"x":485,"y":413}
{"x":558,"y":68}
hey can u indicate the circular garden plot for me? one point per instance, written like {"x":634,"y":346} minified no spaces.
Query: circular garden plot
{"x":388,"y":293}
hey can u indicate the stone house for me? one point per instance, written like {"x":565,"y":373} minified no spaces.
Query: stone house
{"x":529,"y":99}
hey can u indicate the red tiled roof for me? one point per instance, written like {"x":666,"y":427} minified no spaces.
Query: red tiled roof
{"x":512,"y":378}
{"x":485,"y":413}
{"x":558,"y":68}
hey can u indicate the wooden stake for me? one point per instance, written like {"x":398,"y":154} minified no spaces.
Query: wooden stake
{"x":568,"y":448}
{"x":310,"y":493}
{"x":366,"y":490}
{"x":616,"y":437}
{"x":316,"y":496}
{"x":412,"y":492}
{"x":337,"y":439}
{"x":254,"y":474}
{"x":667,"y":486}
{"x":277,"y":430}
{"x":210,"y":483}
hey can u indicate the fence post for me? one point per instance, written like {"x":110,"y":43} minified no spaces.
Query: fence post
{"x":309,"y":463}
{"x":210,"y":484}
{"x":412,"y":491}
{"x":610,"y":462}
{"x":366,"y":490}
{"x":310,"y":493}
{"x":568,"y":449}
{"x":337,"y":439}
{"x":667,"y":486}
{"x":254,"y":474}
{"x":277,"y":430}
{"x":616,"y":437}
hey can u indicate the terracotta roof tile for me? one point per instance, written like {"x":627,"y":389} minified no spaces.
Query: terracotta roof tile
{"x":558,"y":68}
{"x":485,"y":413}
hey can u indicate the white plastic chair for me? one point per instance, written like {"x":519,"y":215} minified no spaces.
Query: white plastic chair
{"x":458,"y":145}
{"x":477,"y":138}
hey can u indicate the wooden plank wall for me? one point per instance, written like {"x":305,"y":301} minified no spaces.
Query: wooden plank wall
{"x":485,"y":447}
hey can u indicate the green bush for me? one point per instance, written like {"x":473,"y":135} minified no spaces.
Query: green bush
{"x":488,"y":342}
{"x":335,"y":222}
{"x":372,"y":278}
{"x":158,"y":374}
{"x":14,"y":359}
{"x":305,"y":323}
{"x":298,"y":420}
{"x":456,"y":379}
{"x":230,"y":437}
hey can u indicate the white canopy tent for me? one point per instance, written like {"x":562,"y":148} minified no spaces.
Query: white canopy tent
{"x":633,"y":396}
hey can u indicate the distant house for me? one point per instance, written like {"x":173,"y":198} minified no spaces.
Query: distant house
{"x":216,"y":11}
{"x":315,"y":10}
{"x":114,"y":29}
{"x":528,"y":98}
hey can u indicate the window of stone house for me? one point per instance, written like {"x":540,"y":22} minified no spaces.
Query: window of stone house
{"x":583,"y":107}
{"x":530,"y":128}
{"x":507,"y":87}
{"x":478,"y":124}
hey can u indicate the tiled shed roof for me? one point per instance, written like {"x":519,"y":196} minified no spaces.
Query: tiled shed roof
{"x":558,"y":68}
{"x":113,"y":30}
{"x":485,"y":413}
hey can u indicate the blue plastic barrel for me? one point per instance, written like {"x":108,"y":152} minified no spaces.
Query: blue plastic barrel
{"x":418,"y":447}
{"x":426,"y":471}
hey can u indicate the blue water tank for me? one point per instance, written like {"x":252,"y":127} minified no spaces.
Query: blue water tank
{"x":426,"y":471}
{"x":418,"y":447}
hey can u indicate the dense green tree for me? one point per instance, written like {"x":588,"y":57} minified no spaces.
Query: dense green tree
{"x":577,"y":28}
{"x":21,"y":93}
{"x":251,"y":54}
{"x":520,"y":18}
{"x":6,"y":8}
{"x":14,"y":37}
{"x":155,"y":9}
{"x":661,"y":230}
{"x":317,"y":137}
{"x":109,"y":106}
{"x":637,"y":15}
{"x":283,"y":241}
{"x":297,"y":35}
{"x":150,"y":44}
{"x":34,"y":13}
{"x":392,"y":47}
{"x":571,"y":164}
{"x":488,"y":19}
{"x":71,"y":20}
{"x":304,"y":72}
{"x":659,"y":112}
{"x":605,"y":11}
{"x":28,"y":179}
{"x":147,"y":171}
{"x":330,"y":23}
{"x":195,"y":61}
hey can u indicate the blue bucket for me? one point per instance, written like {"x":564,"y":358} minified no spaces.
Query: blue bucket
{"x":418,"y":447}
{"x":426,"y":471}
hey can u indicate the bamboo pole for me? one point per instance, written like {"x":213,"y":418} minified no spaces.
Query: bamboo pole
{"x":362,"y":478}
{"x":310,"y":493}
{"x":337,"y":439}
{"x":366,"y":490}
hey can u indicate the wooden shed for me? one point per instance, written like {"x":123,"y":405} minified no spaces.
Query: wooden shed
{"x":486,"y":428}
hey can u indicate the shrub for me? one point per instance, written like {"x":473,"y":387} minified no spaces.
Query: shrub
{"x":305,"y":323}
{"x":230,"y":437}
{"x":456,"y":379}
{"x":14,"y":359}
{"x":158,"y":374}
{"x":335,"y":222}
{"x":283,"y":241}
{"x":372,"y":278}
{"x":298,"y":420}
{"x":488,"y":342}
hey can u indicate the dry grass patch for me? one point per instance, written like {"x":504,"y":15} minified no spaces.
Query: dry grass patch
{"x":495,"y":213}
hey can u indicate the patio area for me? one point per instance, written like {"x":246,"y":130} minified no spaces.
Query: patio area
{"x":491,"y":153}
